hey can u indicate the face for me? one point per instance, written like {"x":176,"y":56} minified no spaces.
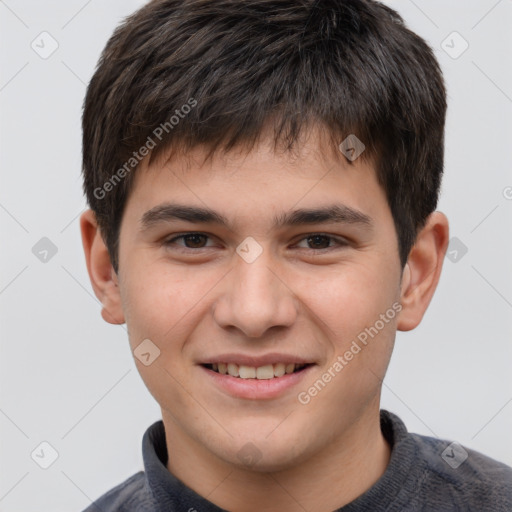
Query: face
{"x":292,"y":259}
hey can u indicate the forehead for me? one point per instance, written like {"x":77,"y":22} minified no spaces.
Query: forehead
{"x":261,"y":181}
{"x":314,"y":144}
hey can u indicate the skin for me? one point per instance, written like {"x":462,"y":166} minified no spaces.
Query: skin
{"x":199,"y":298}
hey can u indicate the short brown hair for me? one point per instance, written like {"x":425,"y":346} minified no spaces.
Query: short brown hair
{"x":349,"y":65}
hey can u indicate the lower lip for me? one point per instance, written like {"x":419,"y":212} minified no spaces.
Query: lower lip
{"x":257,"y":389}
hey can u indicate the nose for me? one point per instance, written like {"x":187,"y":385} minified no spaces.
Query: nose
{"x":254,"y":298}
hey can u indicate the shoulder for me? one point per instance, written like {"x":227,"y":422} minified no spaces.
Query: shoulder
{"x":129,"y":496}
{"x":466,"y":478}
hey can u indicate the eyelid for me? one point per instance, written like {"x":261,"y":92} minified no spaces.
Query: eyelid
{"x":339,"y":240}
{"x":173,"y":238}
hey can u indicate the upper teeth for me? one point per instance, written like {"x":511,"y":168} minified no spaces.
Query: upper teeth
{"x":268,"y":371}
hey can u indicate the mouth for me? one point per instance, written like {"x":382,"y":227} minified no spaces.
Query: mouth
{"x":256,"y":377}
{"x":265,"y":372}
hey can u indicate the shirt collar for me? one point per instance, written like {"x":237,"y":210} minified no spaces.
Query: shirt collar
{"x":168,"y":493}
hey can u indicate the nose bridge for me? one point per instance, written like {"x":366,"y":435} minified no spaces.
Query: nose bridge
{"x":255,"y":299}
{"x":256,"y":281}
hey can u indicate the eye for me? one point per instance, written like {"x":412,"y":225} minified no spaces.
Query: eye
{"x":319,"y":241}
{"x":314,"y":241}
{"x":191,"y":241}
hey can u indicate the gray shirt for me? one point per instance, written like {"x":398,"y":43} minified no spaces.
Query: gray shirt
{"x":424,"y":474}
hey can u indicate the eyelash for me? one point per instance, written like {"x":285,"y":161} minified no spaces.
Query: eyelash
{"x":339,"y":241}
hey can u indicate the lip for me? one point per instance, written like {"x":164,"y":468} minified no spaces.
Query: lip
{"x":247,"y":360}
{"x":256,"y":389}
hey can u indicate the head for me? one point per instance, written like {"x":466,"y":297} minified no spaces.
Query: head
{"x":236,"y":114}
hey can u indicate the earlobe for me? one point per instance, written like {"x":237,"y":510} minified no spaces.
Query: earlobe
{"x":112,"y":311}
{"x":422,"y":271}
{"x":101,"y":273}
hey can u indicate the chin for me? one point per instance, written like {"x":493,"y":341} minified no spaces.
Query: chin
{"x":267,"y":463}
{"x":263,"y":454}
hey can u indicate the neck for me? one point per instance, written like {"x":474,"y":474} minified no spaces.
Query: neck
{"x":332,"y":478}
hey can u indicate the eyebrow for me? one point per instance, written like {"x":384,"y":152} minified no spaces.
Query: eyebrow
{"x":337,"y":213}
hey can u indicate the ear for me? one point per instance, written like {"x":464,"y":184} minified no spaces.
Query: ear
{"x":101,"y":273}
{"x":422,"y":271}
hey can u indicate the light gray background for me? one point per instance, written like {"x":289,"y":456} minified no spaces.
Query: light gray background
{"x":68,"y":378}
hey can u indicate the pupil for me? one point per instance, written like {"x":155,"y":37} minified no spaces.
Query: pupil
{"x":196,"y":240}
{"x":316,"y":239}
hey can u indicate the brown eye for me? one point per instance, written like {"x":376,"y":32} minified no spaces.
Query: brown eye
{"x":190,"y":241}
{"x":319,"y":241}
{"x":194,"y":241}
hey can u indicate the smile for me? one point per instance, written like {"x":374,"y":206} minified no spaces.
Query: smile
{"x":266,"y":372}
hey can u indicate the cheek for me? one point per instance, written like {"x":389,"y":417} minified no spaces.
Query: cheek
{"x":358,"y":310}
{"x":162,"y":303}
{"x":161,"y":306}
{"x":361,"y":332}
{"x":350,"y":299}
{"x":151,"y":303}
